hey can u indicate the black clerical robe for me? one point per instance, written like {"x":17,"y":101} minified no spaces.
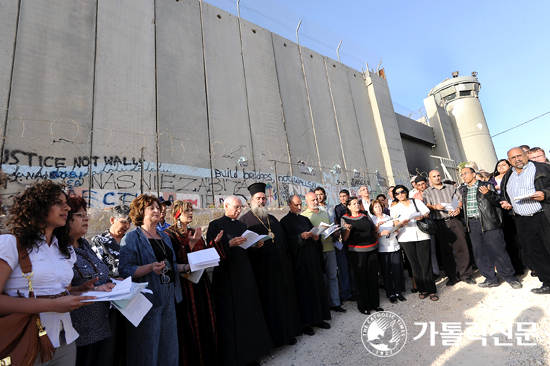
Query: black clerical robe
{"x":307,"y":259}
{"x":243,"y":335}
{"x":275,"y":281}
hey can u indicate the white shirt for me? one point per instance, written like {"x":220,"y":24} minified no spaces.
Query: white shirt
{"x":523,"y":184}
{"x":386,"y":245}
{"x":52,"y":273}
{"x":409,"y":232}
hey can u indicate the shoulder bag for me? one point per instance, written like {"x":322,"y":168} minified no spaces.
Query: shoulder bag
{"x":22,"y":336}
{"x":426,"y":225}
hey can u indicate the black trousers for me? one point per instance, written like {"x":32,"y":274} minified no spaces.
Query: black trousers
{"x":391,"y":267}
{"x":450,"y":237}
{"x":512,"y":244}
{"x":420,"y":256}
{"x":534,"y":236}
{"x":490,"y":252}
{"x":365,"y":268}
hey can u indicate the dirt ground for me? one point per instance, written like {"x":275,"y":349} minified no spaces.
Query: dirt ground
{"x":496,"y":308}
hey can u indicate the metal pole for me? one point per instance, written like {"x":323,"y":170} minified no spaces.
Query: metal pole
{"x":238,"y":9}
{"x":338,"y":51}
{"x":277,"y":185}
{"x":297,"y":28}
{"x":141,"y":163}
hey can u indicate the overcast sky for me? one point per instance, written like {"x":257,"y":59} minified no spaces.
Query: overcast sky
{"x":422,"y":42}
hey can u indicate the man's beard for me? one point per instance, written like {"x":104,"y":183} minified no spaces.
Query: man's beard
{"x":260,"y":211}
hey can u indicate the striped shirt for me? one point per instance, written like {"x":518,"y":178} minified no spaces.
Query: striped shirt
{"x":433,"y":196}
{"x":471,"y":201}
{"x":520,"y":185}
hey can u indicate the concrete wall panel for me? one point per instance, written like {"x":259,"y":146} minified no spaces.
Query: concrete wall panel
{"x":352,"y":145}
{"x":182,"y":117}
{"x":297,"y":117}
{"x":8,"y":25}
{"x":226,"y":92}
{"x":324,"y":120}
{"x":366,"y":125}
{"x":124,"y":99}
{"x":264,"y":99}
{"x":50,"y":115}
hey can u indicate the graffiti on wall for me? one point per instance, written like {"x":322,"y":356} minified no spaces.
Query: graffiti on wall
{"x":110,"y":180}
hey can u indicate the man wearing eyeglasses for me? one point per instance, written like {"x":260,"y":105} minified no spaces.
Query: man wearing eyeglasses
{"x":526,"y":191}
{"x":537,"y":154}
{"x":241,"y":322}
{"x":450,"y":232}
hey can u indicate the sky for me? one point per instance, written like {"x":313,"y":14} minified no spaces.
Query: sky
{"x":422,"y":42}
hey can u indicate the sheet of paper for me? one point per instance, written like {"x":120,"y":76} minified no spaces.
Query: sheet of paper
{"x":121,"y":290}
{"x":119,"y":293}
{"x":136,"y":309}
{"x":414,"y":215}
{"x":338,"y":245}
{"x":454,"y":204}
{"x":524,"y":197}
{"x":193,"y":276}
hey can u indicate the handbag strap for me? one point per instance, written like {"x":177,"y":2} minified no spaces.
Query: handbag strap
{"x":414,"y":202}
{"x":25,"y":263}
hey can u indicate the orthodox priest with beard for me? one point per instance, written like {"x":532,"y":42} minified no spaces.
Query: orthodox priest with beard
{"x":243,"y":335}
{"x":273,"y":271}
{"x":306,"y":251}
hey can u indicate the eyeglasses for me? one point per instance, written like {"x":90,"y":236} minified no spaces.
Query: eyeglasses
{"x":81,"y":214}
{"x":397,"y":193}
{"x":237,"y":207}
{"x":164,"y":278}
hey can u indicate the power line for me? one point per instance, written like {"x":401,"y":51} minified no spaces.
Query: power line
{"x":521,"y":124}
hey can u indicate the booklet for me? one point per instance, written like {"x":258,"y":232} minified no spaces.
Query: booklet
{"x":193,"y":276}
{"x":318,"y":230}
{"x":252,"y":238}
{"x":414,"y":215}
{"x":330,"y":230}
{"x":450,"y":206}
{"x":202,"y":259}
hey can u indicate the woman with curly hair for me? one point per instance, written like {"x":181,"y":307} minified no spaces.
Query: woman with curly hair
{"x":92,"y":322}
{"x":38,"y":221}
{"x":147,"y":255}
{"x":196,"y":315}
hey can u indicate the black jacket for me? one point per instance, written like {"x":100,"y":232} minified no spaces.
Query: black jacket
{"x":542,"y":183}
{"x":490,"y":213}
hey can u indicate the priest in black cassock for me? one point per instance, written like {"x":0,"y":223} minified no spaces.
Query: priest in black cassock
{"x":306,"y":252}
{"x":273,"y":271}
{"x":243,"y":335}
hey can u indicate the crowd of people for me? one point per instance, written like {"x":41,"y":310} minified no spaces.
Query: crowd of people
{"x":283,"y":287}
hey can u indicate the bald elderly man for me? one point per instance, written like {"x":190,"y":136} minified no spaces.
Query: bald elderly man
{"x":243,"y":333}
{"x":526,"y":191}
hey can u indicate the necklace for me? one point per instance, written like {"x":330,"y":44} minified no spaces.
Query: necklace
{"x":162,"y":247}
{"x":269,"y":232}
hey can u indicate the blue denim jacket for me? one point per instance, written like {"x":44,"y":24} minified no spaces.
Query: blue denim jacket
{"x":136,"y":251}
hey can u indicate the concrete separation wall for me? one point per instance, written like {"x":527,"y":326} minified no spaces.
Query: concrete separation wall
{"x":182,"y":99}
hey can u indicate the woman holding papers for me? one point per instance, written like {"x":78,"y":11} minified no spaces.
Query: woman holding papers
{"x":147,"y":255}
{"x":389,"y":253}
{"x":37,"y":220}
{"x":195,"y":314}
{"x":361,"y":238}
{"x":91,"y":322}
{"x":415,"y":243}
